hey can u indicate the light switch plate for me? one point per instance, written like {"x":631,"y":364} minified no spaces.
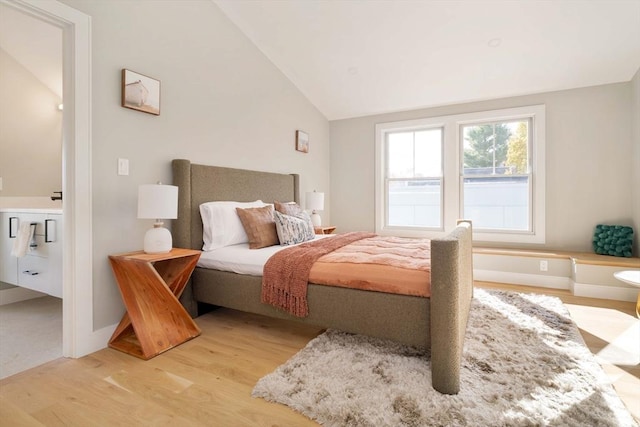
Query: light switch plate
{"x":123,"y":166}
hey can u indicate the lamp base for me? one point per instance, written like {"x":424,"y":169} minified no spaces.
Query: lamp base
{"x":157,"y":240}
{"x":315,"y":219}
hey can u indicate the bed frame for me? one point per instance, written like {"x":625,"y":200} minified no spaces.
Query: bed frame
{"x":437,"y":323}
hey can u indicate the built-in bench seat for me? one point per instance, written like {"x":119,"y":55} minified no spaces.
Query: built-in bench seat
{"x":583,"y":273}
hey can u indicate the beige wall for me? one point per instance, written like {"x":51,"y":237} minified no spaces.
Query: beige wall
{"x":30,"y":133}
{"x":588,"y":161}
{"x":635,"y":166}
{"x":222,"y":103}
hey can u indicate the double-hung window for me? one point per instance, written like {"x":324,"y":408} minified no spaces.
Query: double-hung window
{"x":413,"y":178}
{"x":487,"y":167}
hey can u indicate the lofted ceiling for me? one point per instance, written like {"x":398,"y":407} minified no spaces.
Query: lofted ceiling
{"x":34,"y":44}
{"x":353,"y":58}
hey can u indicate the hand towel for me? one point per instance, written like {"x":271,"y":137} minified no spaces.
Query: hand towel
{"x":24,"y":237}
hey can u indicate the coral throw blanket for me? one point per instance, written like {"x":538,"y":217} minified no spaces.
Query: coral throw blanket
{"x":286,"y":274}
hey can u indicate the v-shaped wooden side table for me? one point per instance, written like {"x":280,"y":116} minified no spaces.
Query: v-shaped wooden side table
{"x":150,"y":285}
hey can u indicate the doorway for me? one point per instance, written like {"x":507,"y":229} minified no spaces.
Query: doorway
{"x":31,"y":168}
{"x":78,"y":335}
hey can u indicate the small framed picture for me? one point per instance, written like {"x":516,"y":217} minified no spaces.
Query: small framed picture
{"x":140,"y":92}
{"x":302,"y":141}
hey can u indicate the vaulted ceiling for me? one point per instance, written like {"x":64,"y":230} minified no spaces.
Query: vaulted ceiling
{"x":353,"y":58}
{"x":360,"y":57}
{"x":34,"y":44}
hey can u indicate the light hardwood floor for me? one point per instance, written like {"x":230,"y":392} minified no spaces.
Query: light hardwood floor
{"x":208,"y":381}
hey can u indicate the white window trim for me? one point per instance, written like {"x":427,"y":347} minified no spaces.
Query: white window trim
{"x":394,"y":228}
{"x":452,"y":173}
{"x":380,"y":185}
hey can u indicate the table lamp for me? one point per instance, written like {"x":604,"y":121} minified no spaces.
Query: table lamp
{"x":315,"y":202}
{"x":159,"y":202}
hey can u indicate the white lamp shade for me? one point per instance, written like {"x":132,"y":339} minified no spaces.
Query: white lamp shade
{"x":315,"y":201}
{"x":158,"y":201}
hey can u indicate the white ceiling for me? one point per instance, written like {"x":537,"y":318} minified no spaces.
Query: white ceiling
{"x":353,"y":58}
{"x":34,"y":44}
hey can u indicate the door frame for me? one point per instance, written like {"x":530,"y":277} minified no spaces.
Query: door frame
{"x":78,"y":336}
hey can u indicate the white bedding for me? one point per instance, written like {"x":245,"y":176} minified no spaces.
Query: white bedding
{"x":240,"y":259}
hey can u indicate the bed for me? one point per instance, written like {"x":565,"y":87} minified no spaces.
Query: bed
{"x":437,"y":323}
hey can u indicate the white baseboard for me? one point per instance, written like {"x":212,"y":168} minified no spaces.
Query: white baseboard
{"x":99,"y":339}
{"x":92,"y":342}
{"x":557,"y":282}
{"x":554,"y":282}
{"x":604,"y":292}
{"x":17,"y":294}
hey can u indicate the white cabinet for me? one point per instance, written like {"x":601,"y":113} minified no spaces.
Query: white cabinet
{"x":41,"y":268}
{"x":8,"y":263}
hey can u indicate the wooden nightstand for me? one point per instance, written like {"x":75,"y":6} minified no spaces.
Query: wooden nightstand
{"x":150,"y":285}
{"x":324,"y":230}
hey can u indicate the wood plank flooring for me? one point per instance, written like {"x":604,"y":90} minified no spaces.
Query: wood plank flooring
{"x":208,"y":381}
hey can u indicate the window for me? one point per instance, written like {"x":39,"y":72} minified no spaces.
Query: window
{"x":496,"y":175}
{"x":487,"y":167}
{"x":414,"y":178}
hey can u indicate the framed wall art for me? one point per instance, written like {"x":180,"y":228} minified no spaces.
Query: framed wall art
{"x":140,"y":92}
{"x":302,"y":141}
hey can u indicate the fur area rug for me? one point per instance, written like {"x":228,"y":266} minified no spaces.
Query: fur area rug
{"x":524,"y":364}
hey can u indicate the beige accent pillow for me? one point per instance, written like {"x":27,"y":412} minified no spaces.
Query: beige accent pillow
{"x":259,"y":225}
{"x":289,"y":208}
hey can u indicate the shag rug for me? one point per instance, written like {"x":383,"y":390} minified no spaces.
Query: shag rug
{"x":524,"y":364}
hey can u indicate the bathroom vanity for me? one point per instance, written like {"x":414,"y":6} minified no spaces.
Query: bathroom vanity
{"x":40,"y":269}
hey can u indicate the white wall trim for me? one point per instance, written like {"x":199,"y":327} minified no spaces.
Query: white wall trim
{"x":96,"y":340}
{"x":604,"y":292}
{"x":554,"y":282}
{"x":76,"y":181}
{"x":557,"y":282}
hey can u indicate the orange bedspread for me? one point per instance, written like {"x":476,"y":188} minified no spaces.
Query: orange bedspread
{"x":286,"y":273}
{"x":379,"y":263}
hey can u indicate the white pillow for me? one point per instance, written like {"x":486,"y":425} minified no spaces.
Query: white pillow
{"x":221,"y":225}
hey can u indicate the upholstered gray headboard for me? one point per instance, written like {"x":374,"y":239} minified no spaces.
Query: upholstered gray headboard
{"x":200,"y":183}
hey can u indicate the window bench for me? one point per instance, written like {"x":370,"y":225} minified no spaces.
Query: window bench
{"x":583,"y":273}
